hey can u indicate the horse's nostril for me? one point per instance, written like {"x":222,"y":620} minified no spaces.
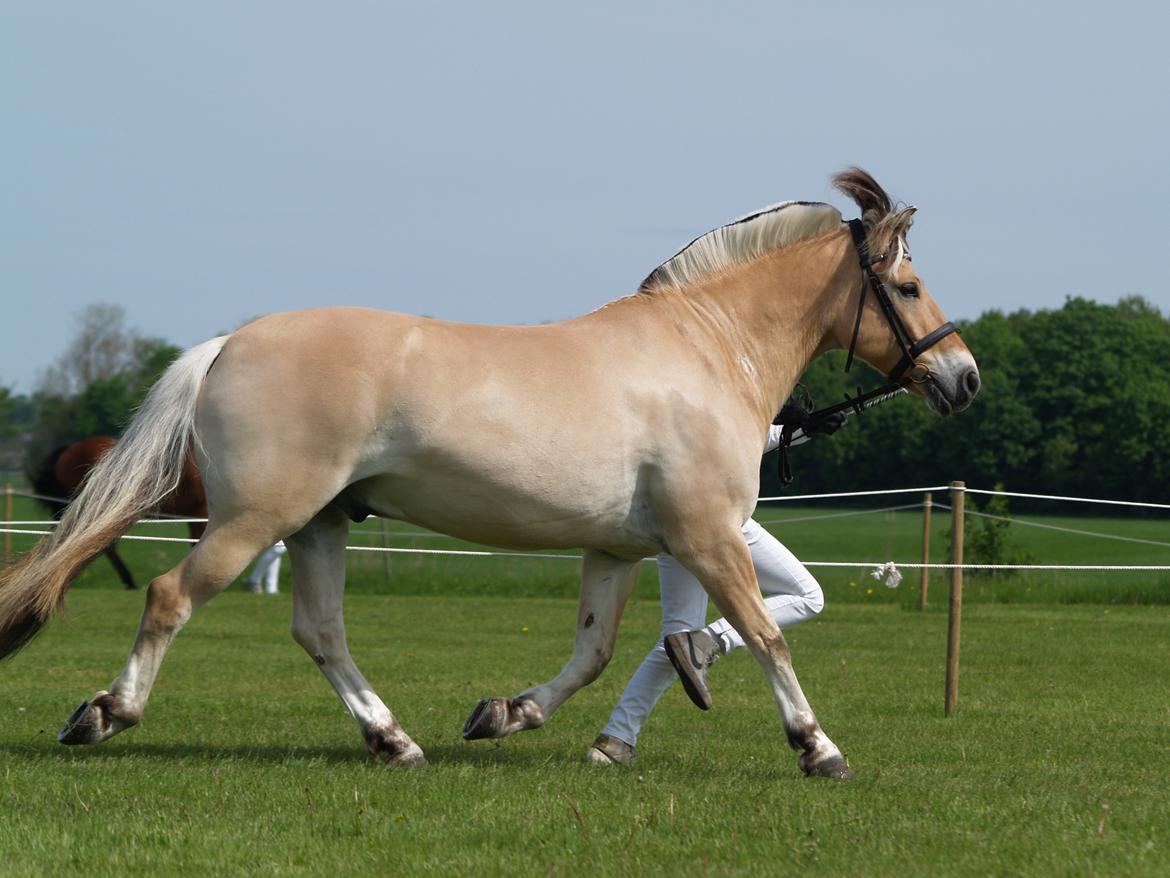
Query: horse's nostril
{"x":971,"y":382}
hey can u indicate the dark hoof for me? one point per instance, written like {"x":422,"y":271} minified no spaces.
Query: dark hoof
{"x":93,"y":722}
{"x":89,"y":724}
{"x":77,"y":728}
{"x":487,"y":720}
{"x":834,"y":767}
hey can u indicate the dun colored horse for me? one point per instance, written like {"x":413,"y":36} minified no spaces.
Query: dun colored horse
{"x":59,"y":476}
{"x":635,"y":429}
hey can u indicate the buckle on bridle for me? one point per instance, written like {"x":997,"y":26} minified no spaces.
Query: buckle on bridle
{"x":919,"y":373}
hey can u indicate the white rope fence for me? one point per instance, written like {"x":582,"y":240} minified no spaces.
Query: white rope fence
{"x":22,"y":528}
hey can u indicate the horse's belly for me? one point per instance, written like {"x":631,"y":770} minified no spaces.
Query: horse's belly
{"x":493,"y":513}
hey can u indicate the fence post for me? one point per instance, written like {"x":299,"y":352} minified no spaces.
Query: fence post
{"x":7,"y":518}
{"x":385,"y":545}
{"x":924,"y":583}
{"x":954,"y":617}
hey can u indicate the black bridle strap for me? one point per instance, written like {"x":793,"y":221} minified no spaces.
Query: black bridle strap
{"x":921,"y":345}
{"x":870,"y":280}
{"x":857,"y":230}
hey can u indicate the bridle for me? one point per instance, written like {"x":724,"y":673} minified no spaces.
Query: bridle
{"x":908,"y":370}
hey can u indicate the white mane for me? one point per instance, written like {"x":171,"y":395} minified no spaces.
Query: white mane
{"x":742,"y":241}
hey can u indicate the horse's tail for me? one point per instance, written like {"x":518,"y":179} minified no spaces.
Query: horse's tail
{"x":135,"y":476}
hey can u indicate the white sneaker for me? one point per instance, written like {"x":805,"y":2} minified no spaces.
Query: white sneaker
{"x":691,"y":653}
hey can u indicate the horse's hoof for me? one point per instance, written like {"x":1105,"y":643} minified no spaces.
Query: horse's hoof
{"x":409,"y":758}
{"x":834,"y":766}
{"x":92,"y":722}
{"x":394,"y":747}
{"x":499,"y":717}
{"x":487,"y":720}
{"x":413,"y":758}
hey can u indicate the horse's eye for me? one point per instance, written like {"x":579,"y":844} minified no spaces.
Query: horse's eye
{"x":909,"y":289}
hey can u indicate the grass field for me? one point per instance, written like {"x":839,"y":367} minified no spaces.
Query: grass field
{"x":246,"y":764}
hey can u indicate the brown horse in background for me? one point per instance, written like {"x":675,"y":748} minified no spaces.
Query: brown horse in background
{"x":59,"y":476}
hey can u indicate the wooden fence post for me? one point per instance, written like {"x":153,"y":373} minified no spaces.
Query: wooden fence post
{"x":954,"y":617}
{"x":924,"y":582}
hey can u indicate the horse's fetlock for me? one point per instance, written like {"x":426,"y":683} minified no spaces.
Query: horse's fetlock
{"x":525,"y":713}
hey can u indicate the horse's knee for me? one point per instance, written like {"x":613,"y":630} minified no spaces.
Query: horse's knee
{"x":768,"y":646}
{"x":167,"y":606}
{"x":315,"y":638}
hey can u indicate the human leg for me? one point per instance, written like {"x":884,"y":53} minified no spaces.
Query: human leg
{"x":272,"y":574}
{"x":791,"y":593}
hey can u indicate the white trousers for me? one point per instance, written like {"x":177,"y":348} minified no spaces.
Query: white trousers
{"x":791,"y":595}
{"x":268,"y":569}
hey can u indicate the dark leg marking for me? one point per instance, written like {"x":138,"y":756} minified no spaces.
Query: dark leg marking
{"x":589,"y":620}
{"x":319,"y":659}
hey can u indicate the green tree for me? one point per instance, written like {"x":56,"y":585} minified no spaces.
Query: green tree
{"x":96,"y":385}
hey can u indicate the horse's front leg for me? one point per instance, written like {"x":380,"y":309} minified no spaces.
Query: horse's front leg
{"x":724,"y":567}
{"x":606,"y":583}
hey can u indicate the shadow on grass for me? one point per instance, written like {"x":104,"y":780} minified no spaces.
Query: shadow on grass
{"x":480,"y":755}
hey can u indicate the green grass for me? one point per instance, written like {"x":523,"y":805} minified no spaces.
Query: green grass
{"x":246,"y":763}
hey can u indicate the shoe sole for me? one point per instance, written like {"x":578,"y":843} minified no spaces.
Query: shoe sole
{"x":683,"y":669}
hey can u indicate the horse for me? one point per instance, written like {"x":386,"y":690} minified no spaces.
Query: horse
{"x":59,"y":476}
{"x":632,"y":430}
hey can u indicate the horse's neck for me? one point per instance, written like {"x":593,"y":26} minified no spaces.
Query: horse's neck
{"x":775,"y":315}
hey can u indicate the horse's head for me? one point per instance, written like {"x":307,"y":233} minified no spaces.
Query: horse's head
{"x":896,"y":326}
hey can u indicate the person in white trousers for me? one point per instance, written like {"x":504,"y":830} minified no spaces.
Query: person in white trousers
{"x":791,"y":595}
{"x":266,"y":570}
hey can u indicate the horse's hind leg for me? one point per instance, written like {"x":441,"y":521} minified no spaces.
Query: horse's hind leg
{"x":606,"y":583}
{"x":170,"y":601}
{"x":317,"y":552}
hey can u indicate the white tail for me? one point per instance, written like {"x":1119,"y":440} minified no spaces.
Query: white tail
{"x":135,"y":476}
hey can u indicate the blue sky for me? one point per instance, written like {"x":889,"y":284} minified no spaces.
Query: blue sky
{"x":207,"y":163}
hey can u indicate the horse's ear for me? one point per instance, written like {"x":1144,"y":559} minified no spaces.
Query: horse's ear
{"x":903,"y":221}
{"x":864,"y":189}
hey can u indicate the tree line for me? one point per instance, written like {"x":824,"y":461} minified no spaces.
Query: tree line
{"x":1075,"y":400}
{"x":91,"y":389}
